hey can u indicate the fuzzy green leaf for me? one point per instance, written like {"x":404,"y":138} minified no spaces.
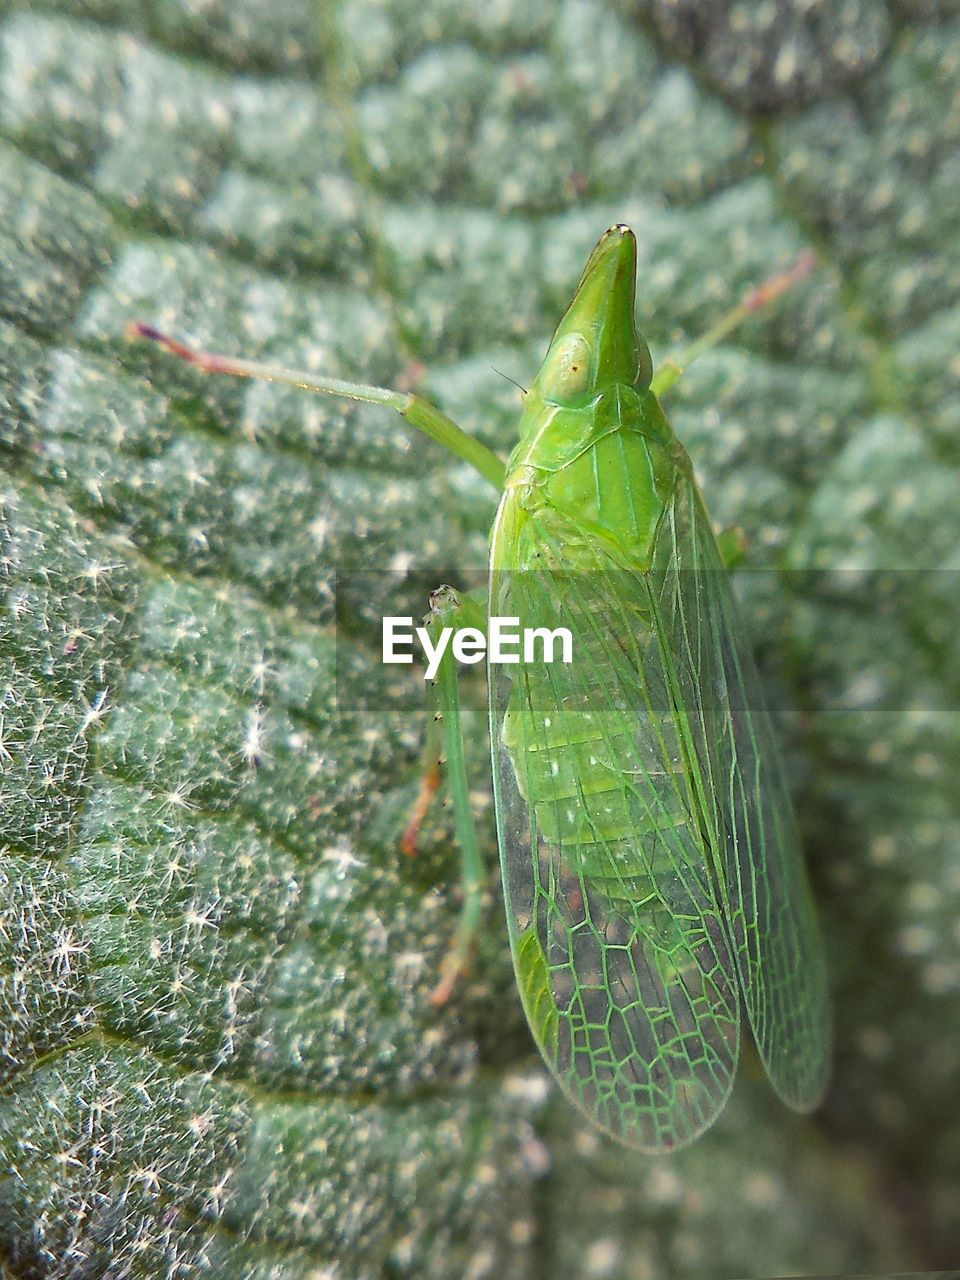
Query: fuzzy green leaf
{"x":217,"y":1050}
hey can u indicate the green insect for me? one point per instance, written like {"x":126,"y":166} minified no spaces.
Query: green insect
{"x":652,"y":875}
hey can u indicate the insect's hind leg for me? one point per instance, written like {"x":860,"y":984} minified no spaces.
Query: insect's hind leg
{"x":450,"y":609}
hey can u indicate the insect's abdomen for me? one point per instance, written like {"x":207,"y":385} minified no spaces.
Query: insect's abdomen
{"x":623,"y":970}
{"x":596,"y":755}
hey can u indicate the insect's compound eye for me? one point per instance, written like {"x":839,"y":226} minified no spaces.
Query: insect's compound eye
{"x":567,"y":372}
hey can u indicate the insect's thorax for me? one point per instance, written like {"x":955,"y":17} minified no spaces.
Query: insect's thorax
{"x":606,"y":471}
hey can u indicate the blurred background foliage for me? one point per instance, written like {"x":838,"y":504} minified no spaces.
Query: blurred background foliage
{"x":217,"y":1051}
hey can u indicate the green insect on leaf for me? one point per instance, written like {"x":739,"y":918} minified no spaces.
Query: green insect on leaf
{"x":653,"y":880}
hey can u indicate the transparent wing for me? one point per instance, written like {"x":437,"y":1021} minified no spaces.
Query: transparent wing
{"x":762,"y":882}
{"x":622,"y":954}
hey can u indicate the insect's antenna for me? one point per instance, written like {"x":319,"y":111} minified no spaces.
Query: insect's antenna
{"x":521,"y":389}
